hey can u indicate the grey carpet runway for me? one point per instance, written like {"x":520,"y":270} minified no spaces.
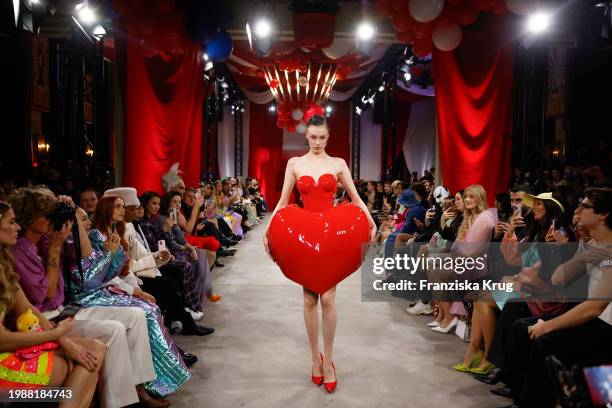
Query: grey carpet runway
{"x":259,"y":354}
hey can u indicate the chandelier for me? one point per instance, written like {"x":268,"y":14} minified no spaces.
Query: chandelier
{"x":300,"y":91}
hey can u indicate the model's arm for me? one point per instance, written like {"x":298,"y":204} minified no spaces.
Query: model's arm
{"x":351,"y":190}
{"x":284,"y":198}
{"x":288,"y":185}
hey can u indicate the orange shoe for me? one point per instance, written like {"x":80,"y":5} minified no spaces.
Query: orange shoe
{"x":331,"y":386}
{"x":214,"y":298}
{"x":318,"y":379}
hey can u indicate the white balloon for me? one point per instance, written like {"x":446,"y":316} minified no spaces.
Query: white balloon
{"x":339,"y":48}
{"x":446,"y":37}
{"x":297,"y":114}
{"x":520,"y":7}
{"x":301,"y":128}
{"x":425,"y":11}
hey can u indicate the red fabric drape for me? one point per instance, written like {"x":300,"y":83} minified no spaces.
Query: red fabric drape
{"x":265,"y":152}
{"x":163,"y":109}
{"x":474,"y":102}
{"x":339,"y":131}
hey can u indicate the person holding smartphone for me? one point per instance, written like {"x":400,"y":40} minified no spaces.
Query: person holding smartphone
{"x":582,"y":333}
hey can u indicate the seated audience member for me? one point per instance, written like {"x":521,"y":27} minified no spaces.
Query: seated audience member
{"x":128,"y":363}
{"x":258,"y":198}
{"x":175,"y":239}
{"x":64,"y":361}
{"x":416,"y":212}
{"x":96,"y":287}
{"x":144,"y":264}
{"x":153,"y":234}
{"x":472,"y":240}
{"x":88,"y":199}
{"x":582,"y":333}
{"x":536,"y":260}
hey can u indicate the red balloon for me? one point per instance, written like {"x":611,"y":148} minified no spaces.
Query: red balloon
{"x":499,"y":7}
{"x":319,"y":245}
{"x":467,"y":13}
{"x":383,"y":8}
{"x":402,"y":21}
{"x":421,"y":30}
{"x":405,"y":37}
{"x":422,"y":47}
{"x":399,"y":4}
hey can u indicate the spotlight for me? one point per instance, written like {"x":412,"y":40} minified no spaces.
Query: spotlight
{"x":407,"y":76}
{"x":381,"y":88}
{"x":263,"y":28}
{"x":206,"y":58}
{"x":358,"y":110}
{"x":208,"y":66}
{"x":272,"y":108}
{"x":85,"y":14}
{"x":365,"y":31}
{"x":98,"y":32}
{"x":371,"y":100}
{"x":224,"y":85}
{"x":328,"y":109}
{"x":538,"y":22}
{"x":242,"y":110}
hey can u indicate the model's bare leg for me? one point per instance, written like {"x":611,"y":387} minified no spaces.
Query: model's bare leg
{"x":328,"y":306}
{"x":311,"y":319}
{"x":488,"y":320}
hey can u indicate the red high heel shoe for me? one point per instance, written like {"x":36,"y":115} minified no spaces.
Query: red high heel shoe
{"x":331,"y":386}
{"x":318,"y":379}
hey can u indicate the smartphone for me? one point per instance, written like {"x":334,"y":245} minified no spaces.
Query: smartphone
{"x":113,"y":227}
{"x":173,"y":214}
{"x":554,"y":221}
{"x":69,"y":311}
{"x":161,"y":245}
{"x":518,"y":211}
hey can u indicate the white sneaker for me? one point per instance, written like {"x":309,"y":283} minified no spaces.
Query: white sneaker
{"x":420,"y":308}
{"x":176,"y":327}
{"x":195,"y":315}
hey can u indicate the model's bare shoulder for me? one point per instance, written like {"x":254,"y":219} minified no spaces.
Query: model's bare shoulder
{"x":340,"y":162}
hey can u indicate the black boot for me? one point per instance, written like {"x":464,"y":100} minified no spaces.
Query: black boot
{"x":191,"y":328}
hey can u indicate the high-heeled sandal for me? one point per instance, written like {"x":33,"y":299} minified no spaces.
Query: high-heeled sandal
{"x":318,"y":379}
{"x":331,"y":386}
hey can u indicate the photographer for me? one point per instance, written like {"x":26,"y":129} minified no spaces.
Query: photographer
{"x":38,"y":262}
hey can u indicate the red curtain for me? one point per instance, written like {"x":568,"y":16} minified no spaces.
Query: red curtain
{"x":474,"y":103}
{"x":339,"y":131}
{"x":163,"y":98}
{"x":265,"y":152}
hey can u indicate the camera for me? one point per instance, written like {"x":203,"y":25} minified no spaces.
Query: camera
{"x":62,"y":213}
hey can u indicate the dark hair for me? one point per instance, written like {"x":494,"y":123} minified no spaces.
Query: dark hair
{"x":537,"y":230}
{"x":144,"y":200}
{"x":504,"y":202}
{"x":164,"y":206}
{"x":420,"y":189}
{"x":601,"y":198}
{"x":317,"y":120}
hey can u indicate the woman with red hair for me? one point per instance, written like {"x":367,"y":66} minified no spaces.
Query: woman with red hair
{"x":101,"y":285}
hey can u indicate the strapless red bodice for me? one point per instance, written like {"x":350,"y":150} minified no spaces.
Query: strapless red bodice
{"x":317,"y":195}
{"x":321,"y":244}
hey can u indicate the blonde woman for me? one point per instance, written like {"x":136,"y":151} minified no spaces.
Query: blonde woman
{"x":473,"y":239}
{"x":75,"y":364}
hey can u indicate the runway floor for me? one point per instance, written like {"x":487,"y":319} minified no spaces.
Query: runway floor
{"x":259,"y":354}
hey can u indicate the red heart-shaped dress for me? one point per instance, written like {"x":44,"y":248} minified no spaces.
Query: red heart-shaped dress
{"x":321,"y":244}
